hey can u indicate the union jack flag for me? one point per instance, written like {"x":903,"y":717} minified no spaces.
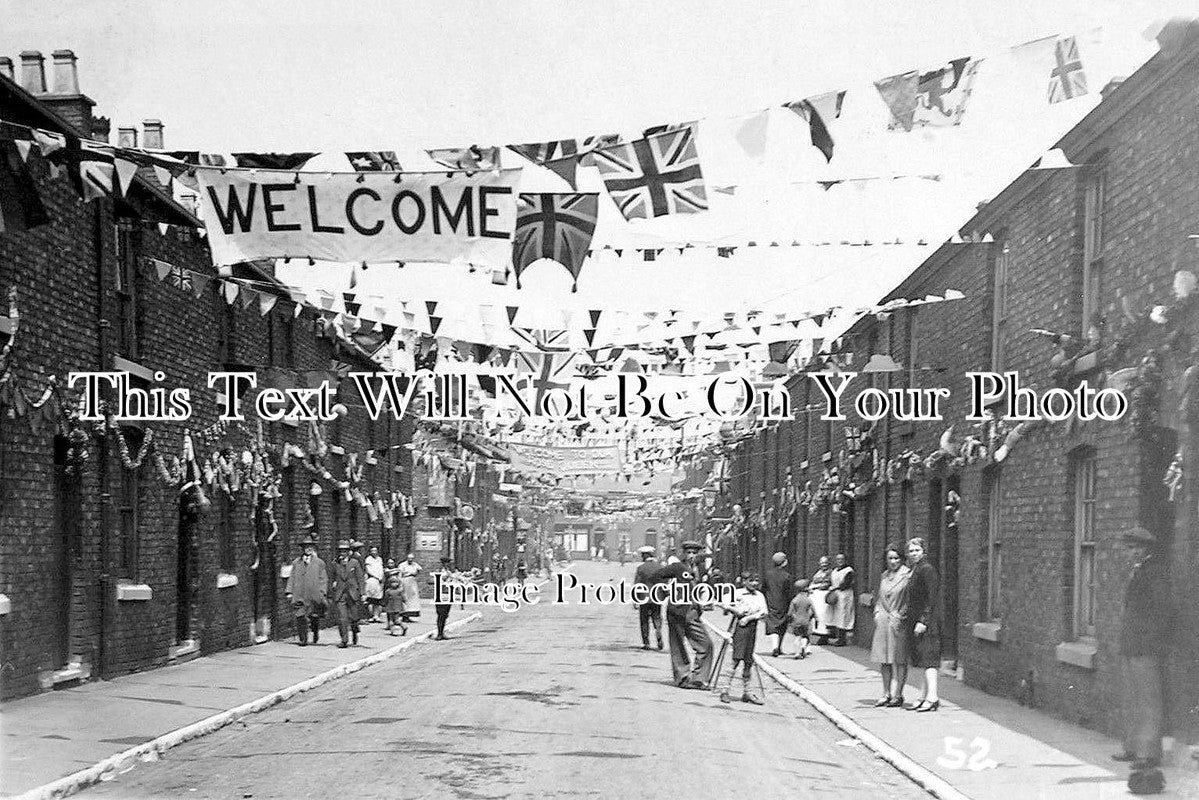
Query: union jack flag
{"x":654,"y":176}
{"x":1067,"y":80}
{"x":548,"y":371}
{"x":546,"y":151}
{"x":554,"y":226}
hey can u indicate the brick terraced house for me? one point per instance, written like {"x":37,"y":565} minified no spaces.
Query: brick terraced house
{"x":105,"y":566}
{"x":1060,"y":272}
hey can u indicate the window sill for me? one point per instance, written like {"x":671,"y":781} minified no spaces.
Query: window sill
{"x":187,"y":647}
{"x":133,"y":368}
{"x":291,"y":422}
{"x":1079,"y":654}
{"x":803,"y":464}
{"x":827,"y":457}
{"x":987,"y":631}
{"x":129,"y":592}
{"x":5,"y":605}
{"x":224,"y":580}
{"x":337,"y":450}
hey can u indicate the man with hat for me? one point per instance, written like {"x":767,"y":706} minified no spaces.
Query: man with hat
{"x":778,"y":588}
{"x":1145,"y":631}
{"x":443,"y":609}
{"x":348,"y":582}
{"x":683,"y":624}
{"x":648,"y":611}
{"x":307,"y":586}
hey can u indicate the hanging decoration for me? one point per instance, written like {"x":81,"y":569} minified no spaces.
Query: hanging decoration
{"x":557,"y":227}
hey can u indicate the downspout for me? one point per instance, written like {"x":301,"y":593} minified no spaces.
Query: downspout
{"x":103,"y":333}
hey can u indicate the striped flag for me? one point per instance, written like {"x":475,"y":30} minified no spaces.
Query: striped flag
{"x":554,"y":226}
{"x":655,"y":176}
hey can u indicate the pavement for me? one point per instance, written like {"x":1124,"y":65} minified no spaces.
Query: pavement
{"x":977,"y":745}
{"x":551,"y":700}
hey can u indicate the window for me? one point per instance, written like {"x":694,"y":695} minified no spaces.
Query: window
{"x":130,"y":490}
{"x":993,"y":555}
{"x":226,"y":329}
{"x":1093,"y":190}
{"x":999,"y":308}
{"x":227,"y":542}
{"x":128,"y":322}
{"x":1084,"y":544}
{"x":913,"y":341}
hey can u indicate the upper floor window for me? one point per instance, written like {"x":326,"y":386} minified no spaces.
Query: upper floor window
{"x":913,"y":345}
{"x":999,"y":308}
{"x":127,"y":316}
{"x":226,"y":329}
{"x":1093,"y":191}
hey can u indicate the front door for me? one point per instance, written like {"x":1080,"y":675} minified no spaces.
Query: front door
{"x":67,"y":519}
{"x":949,"y":575}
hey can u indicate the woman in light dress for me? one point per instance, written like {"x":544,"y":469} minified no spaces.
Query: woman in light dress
{"x":841,"y":617}
{"x":822,"y":579}
{"x":889,"y":649}
{"x":408,"y":571}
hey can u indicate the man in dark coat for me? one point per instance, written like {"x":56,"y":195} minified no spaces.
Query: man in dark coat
{"x":684,"y":624}
{"x":648,"y":611}
{"x":1145,"y":631}
{"x":348,"y":583}
{"x":778,"y":586}
{"x":306,"y":590}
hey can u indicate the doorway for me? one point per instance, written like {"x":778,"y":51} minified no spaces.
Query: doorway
{"x":68,"y":511}
{"x":949,"y":573}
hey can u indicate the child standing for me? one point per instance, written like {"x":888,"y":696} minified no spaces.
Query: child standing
{"x":393,"y":603}
{"x":800,"y":613}
{"x":748,"y":609}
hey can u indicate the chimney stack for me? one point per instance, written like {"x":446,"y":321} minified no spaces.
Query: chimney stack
{"x":66,"y":75}
{"x":6,"y":67}
{"x":126,"y":137}
{"x":152,"y":139}
{"x":33,"y":72}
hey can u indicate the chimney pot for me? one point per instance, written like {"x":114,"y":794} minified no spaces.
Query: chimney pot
{"x":126,"y":137}
{"x":6,"y":67}
{"x":153,"y":134}
{"x":101,"y":126}
{"x":33,"y":72}
{"x":66,"y":74}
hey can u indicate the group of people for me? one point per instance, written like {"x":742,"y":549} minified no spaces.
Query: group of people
{"x":359,"y":589}
{"x":906,"y":615}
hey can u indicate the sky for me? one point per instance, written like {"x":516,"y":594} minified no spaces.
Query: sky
{"x":299,"y":75}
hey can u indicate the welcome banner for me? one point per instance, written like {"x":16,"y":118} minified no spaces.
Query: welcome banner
{"x":564,"y":461}
{"x":360,"y":217}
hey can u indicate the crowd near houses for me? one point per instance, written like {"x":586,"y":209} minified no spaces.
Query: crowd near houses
{"x":132,"y":545}
{"x":1083,"y":269}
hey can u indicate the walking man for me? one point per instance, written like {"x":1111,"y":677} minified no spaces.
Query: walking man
{"x":648,"y":611}
{"x":778,"y":588}
{"x":306,"y":590}
{"x":443,"y":609}
{"x":347,"y":592}
{"x":684,"y":624}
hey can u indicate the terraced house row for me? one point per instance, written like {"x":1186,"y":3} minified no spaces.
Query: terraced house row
{"x":118,"y":550}
{"x":1085,"y":272}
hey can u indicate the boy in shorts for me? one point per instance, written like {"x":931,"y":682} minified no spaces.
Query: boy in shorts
{"x":800,"y":613}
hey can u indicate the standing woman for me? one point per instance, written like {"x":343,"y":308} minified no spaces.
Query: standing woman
{"x":922,"y":624}
{"x":408,"y":571}
{"x":841,"y":612}
{"x":373,"y":592}
{"x":819,"y":590}
{"x":889,"y":649}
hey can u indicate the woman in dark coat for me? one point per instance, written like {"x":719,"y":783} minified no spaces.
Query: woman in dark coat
{"x":922,"y":623}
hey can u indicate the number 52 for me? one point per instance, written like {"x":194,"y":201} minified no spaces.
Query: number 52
{"x":955,"y":758}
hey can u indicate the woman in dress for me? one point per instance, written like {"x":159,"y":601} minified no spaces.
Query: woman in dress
{"x":408,"y":572}
{"x":889,"y":648}
{"x":841,"y":611}
{"x":922,"y":624}
{"x":821,"y":581}
{"x":373,"y":591}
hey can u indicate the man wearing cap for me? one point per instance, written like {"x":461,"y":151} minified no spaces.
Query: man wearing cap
{"x":683,"y":624}
{"x":443,"y":609}
{"x":347,"y":592}
{"x":648,"y":611}
{"x":1145,"y":631}
{"x":778,"y":588}
{"x":307,"y":586}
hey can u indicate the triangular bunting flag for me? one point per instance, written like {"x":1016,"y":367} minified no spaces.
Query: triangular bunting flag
{"x":266,"y":302}
{"x":125,"y":171}
{"x":512,"y":313}
{"x":229,"y":288}
{"x":820,"y":111}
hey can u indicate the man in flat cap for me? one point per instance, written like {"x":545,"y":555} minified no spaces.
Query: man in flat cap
{"x":1145,"y":631}
{"x":443,"y":609}
{"x":778,"y":587}
{"x":307,"y":586}
{"x":683,"y":624}
{"x":348,"y":582}
{"x":648,"y":611}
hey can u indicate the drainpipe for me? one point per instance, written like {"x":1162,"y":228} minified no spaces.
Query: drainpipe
{"x":107,"y":583}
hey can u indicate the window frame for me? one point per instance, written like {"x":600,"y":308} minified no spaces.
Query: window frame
{"x":1094,"y":196}
{"x":993,"y":597}
{"x":128,"y":508}
{"x":126,"y":288}
{"x":226,"y":534}
{"x":1085,"y":479}
{"x":999,"y":305}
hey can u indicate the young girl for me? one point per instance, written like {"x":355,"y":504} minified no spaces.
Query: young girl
{"x":393,"y":602}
